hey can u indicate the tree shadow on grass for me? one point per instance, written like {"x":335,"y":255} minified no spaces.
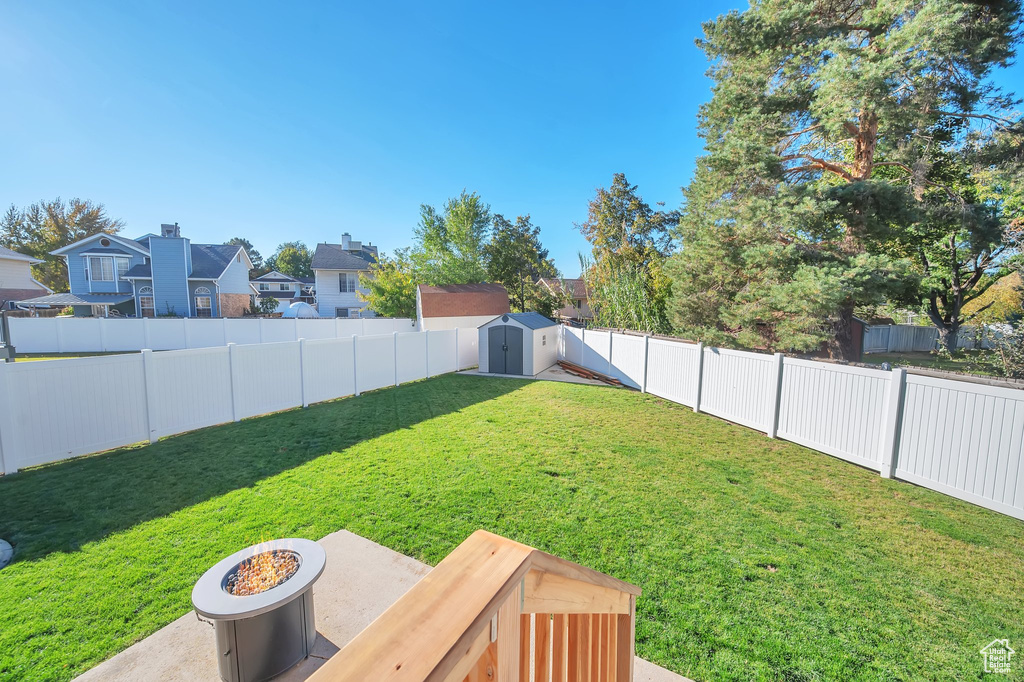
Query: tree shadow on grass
{"x":61,"y":506}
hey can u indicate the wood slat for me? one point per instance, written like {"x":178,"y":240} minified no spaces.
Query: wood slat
{"x":572,"y":649}
{"x":596,"y":636}
{"x":509,"y":642}
{"x":611,"y":648}
{"x":585,"y":644}
{"x":542,"y":647}
{"x":524,"y":647}
{"x":560,"y":643}
{"x":624,"y":643}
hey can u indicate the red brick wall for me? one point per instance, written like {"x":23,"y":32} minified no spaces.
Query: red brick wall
{"x":233,"y":305}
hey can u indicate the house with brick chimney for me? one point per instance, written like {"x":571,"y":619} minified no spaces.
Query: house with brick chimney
{"x":156,"y":275}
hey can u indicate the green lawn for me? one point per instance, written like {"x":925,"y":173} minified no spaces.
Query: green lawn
{"x":982,"y":362}
{"x":758,"y":559}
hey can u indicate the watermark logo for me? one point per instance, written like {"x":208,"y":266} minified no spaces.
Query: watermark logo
{"x":997,"y":656}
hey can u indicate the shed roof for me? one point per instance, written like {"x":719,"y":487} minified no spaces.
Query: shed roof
{"x":462,"y":300}
{"x":531,"y":320}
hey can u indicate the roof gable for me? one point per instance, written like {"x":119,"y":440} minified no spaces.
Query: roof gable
{"x":14,"y":255}
{"x":123,"y":241}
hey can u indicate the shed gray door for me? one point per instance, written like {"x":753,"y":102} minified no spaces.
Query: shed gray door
{"x":505,"y":350}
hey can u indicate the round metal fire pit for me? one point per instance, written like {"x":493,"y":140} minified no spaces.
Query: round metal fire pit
{"x":261,"y":635}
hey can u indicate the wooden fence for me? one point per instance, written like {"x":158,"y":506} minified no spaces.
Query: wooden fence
{"x":55,"y":409}
{"x":961,"y":438}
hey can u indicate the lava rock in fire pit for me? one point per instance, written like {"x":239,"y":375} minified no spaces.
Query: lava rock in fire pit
{"x":261,"y":603}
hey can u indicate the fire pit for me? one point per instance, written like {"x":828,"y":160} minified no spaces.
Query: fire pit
{"x":261,"y":603}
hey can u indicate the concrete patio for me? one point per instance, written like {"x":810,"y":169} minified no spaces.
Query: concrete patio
{"x":361,"y":580}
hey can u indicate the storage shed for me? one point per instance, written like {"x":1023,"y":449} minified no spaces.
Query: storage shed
{"x":518,"y":343}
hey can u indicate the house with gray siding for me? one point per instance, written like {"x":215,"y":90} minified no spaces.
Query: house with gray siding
{"x":336,"y":269}
{"x":153,"y":276}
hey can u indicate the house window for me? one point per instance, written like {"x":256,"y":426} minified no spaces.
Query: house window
{"x":341,"y":312}
{"x":284,"y":287}
{"x":204,"y":302}
{"x":101,"y":269}
{"x":146,"y":302}
{"x":123,"y":265}
{"x":355,"y":312}
{"x":347,"y":282}
{"x":264,"y":286}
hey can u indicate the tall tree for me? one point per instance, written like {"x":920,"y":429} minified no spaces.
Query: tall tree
{"x":254,"y":255}
{"x":450,"y":245}
{"x":391,"y":286}
{"x":516,"y":259}
{"x":811,"y":101}
{"x":628,"y":239}
{"x":49,"y":225}
{"x":292,"y":258}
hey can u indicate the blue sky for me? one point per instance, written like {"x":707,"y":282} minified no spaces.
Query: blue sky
{"x":283,"y":121}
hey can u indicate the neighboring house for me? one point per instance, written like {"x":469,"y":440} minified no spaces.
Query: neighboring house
{"x":578,"y":310}
{"x":459,"y":305}
{"x":336,"y":270}
{"x":16,"y":281}
{"x":285,"y":289}
{"x":154,"y":275}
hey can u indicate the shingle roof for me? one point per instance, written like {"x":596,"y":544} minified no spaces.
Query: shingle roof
{"x":532,"y":320}
{"x":462,"y":300}
{"x":208,"y":262}
{"x":333,"y":257}
{"x":7,"y":253}
{"x":107,"y":249}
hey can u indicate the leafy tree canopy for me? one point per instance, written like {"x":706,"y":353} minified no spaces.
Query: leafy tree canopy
{"x":292,"y":258}
{"x":391,"y":286}
{"x":48,"y":225}
{"x":450,"y":244}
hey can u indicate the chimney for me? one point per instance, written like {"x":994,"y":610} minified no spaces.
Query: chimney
{"x":346,"y":239}
{"x":170,"y":230}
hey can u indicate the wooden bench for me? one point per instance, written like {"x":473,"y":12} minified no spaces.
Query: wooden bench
{"x":474,"y":616}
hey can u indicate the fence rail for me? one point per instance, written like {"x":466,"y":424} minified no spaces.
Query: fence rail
{"x":100,"y":335}
{"x":961,"y":438}
{"x":58,"y":409}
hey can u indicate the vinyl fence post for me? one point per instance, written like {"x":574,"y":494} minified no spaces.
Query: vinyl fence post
{"x":394,"y":336}
{"x":6,"y":425}
{"x":234,"y":368}
{"x":700,"y":375}
{"x":426,"y":348}
{"x":103,"y":334}
{"x":60,"y":334}
{"x":185,"y":330}
{"x":611,"y":335}
{"x":224,"y":328}
{"x":456,"y":349}
{"x":146,"y":333}
{"x":647,"y":348}
{"x":355,"y":364}
{"x":302,"y":372}
{"x":150,"y":384}
{"x":893,"y":412}
{"x":773,"y":425}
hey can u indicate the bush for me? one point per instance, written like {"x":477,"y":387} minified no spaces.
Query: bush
{"x":1010,"y":351}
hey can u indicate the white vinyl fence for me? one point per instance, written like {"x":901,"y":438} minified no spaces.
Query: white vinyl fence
{"x":961,"y":438}
{"x":99,"y":335}
{"x":55,"y":409}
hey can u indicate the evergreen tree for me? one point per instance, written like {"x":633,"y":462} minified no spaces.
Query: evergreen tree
{"x":815,"y":107}
{"x":628,"y":240}
{"x":516,"y":259}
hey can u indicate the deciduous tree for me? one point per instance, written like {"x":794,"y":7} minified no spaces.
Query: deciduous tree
{"x":391,"y":286}
{"x":450,"y":245}
{"x":516,"y":259}
{"x":48,"y":225}
{"x":292,"y":258}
